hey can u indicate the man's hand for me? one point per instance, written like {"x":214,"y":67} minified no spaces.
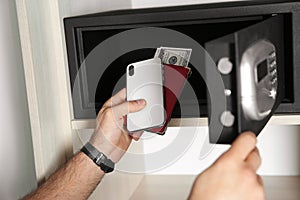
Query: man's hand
{"x":80,"y":176}
{"x":233,"y":176}
{"x":110,"y":137}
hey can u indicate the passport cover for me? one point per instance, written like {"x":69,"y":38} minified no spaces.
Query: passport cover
{"x":174,"y":80}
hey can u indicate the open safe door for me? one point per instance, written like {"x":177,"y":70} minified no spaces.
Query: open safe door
{"x":251,"y":64}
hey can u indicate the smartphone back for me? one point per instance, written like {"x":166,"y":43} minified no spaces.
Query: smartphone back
{"x":145,"y":81}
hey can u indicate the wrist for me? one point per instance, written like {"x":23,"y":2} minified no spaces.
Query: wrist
{"x":102,"y":145}
{"x":89,"y":165}
{"x":98,"y":158}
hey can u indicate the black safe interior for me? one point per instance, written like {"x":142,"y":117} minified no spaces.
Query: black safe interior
{"x":203,"y":23}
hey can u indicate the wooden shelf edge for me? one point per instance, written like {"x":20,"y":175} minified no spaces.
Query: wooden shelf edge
{"x":190,"y":122}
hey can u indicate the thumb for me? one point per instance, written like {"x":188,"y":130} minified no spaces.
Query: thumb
{"x":129,"y":107}
{"x":243,"y":145}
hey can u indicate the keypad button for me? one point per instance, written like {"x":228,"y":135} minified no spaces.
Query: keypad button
{"x":273,"y":64}
{"x":274,"y":72}
{"x":273,"y":54}
{"x":274,"y":81}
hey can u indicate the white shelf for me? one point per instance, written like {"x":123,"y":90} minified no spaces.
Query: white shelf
{"x":173,"y":187}
{"x":188,"y":122}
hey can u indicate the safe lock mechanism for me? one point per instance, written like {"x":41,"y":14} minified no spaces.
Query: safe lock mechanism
{"x":258,"y":79}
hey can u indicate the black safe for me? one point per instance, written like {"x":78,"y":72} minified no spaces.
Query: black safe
{"x":95,"y":75}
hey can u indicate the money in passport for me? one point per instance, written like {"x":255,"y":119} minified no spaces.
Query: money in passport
{"x":174,"y":56}
{"x":176,"y":72}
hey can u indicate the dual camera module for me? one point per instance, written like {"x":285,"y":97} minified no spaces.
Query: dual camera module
{"x":131,"y":70}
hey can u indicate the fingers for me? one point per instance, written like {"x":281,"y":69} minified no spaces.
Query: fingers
{"x":136,"y":135}
{"x":260,"y":180}
{"x":243,"y":146}
{"x":129,"y":107}
{"x":118,"y":98}
{"x":254,"y":159}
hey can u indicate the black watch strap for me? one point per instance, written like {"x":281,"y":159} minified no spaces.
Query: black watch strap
{"x":98,"y":157}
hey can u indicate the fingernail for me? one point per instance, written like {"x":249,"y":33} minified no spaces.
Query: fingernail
{"x":141,"y":102}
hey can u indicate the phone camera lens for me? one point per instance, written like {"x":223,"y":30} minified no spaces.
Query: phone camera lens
{"x":131,"y":70}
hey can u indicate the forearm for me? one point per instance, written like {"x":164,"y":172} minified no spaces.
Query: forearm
{"x":80,"y":176}
{"x":76,"y":180}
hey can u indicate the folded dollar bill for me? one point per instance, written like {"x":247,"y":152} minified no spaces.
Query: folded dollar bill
{"x":174,"y":56}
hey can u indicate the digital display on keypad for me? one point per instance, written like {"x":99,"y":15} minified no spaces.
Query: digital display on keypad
{"x":262,"y":70}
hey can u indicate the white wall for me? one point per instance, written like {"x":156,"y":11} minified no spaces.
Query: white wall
{"x":155,"y":3}
{"x":80,"y":7}
{"x":17,"y":172}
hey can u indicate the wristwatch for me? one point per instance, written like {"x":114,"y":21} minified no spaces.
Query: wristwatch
{"x":98,"y":158}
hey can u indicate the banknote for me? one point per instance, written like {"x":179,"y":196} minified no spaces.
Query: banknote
{"x":174,"y":56}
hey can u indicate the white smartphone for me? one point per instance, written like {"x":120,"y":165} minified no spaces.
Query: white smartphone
{"x":145,"y":81}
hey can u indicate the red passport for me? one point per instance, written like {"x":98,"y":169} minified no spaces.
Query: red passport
{"x":174,"y":80}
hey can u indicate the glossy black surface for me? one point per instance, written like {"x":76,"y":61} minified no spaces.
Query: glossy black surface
{"x":203,"y":23}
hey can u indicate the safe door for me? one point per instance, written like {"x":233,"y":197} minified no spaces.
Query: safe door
{"x":251,"y":64}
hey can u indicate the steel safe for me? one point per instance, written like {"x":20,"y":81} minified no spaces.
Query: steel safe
{"x":215,"y":26}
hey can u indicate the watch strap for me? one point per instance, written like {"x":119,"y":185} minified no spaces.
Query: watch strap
{"x":98,"y":158}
